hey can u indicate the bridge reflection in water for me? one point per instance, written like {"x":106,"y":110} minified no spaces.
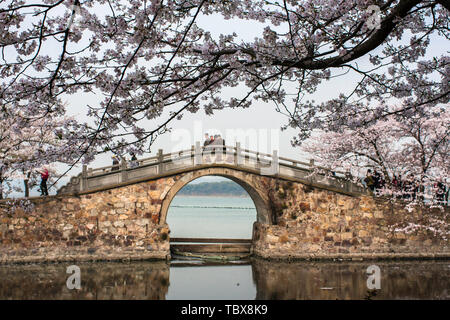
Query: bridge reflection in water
{"x":253,"y":279}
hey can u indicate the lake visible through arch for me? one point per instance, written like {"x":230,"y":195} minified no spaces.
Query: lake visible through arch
{"x":211,"y":217}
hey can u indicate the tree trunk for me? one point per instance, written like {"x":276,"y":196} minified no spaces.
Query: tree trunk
{"x":27,"y":187}
{"x":1,"y":183}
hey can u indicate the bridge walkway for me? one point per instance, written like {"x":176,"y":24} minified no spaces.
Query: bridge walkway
{"x":233,"y":157}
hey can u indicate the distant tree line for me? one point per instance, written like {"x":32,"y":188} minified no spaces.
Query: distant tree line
{"x":228,"y":188}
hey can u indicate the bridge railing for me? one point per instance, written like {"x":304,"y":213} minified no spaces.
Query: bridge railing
{"x":163,"y":163}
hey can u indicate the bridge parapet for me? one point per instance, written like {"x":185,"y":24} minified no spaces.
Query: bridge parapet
{"x":213,"y":155}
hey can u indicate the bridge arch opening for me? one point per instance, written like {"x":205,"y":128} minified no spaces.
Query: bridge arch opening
{"x":213,"y":208}
{"x":255,"y":199}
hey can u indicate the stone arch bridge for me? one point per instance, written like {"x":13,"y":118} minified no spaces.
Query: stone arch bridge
{"x":249,"y":169}
{"x":303,"y":211}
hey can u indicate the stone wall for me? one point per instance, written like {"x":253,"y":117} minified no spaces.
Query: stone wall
{"x":115,"y":224}
{"x":294,"y":221}
{"x":316,"y":224}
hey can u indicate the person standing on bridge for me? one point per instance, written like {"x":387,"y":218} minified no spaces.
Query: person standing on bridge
{"x":133,"y":161}
{"x":211,"y":140}
{"x":206,"y":142}
{"x":217,"y":146}
{"x":377,"y":180}
{"x":44,"y":177}
{"x":369,"y":180}
{"x":439,"y":186}
{"x":115,"y":163}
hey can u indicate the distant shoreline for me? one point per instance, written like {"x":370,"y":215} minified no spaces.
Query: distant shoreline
{"x":214,"y":189}
{"x":212,"y":195}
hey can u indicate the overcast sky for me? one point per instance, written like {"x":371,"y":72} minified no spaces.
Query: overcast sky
{"x":260,"y":120}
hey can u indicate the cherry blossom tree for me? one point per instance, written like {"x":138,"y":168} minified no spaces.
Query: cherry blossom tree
{"x":397,"y":146}
{"x":152,"y":60}
{"x":28,"y":144}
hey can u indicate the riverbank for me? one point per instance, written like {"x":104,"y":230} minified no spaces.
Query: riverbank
{"x":82,"y":255}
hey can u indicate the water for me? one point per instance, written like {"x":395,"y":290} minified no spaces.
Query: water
{"x":258,"y":279}
{"x":211,"y":217}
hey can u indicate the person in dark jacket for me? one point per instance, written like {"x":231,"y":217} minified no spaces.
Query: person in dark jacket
{"x":115,"y":163}
{"x":133,"y":161}
{"x":206,"y":142}
{"x":369,"y":180}
{"x":378,"y":181}
{"x":446,"y":195}
{"x":440,"y":192}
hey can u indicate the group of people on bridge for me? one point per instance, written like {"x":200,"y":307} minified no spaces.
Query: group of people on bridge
{"x":133,"y":163}
{"x":213,"y":140}
{"x":408,"y":188}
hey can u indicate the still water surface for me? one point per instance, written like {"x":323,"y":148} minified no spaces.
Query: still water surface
{"x":259,"y":279}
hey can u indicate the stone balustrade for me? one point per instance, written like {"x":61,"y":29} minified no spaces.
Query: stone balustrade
{"x":217,"y":155}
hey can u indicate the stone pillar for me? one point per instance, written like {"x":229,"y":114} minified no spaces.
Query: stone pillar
{"x":160,"y":160}
{"x":349,"y":183}
{"x":238,"y":156}
{"x":274,"y":166}
{"x":83,"y":180}
{"x":311,"y":169}
{"x":198,"y":158}
{"x":123,"y":170}
{"x":258,"y":164}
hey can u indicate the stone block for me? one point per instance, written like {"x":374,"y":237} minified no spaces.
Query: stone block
{"x":283,"y":238}
{"x":346,"y":243}
{"x":399,"y":235}
{"x":379,"y":214}
{"x":367,"y":215}
{"x":118,"y":224}
{"x":271,"y":238}
{"x":346,"y":235}
{"x":142,"y":222}
{"x":363,"y":233}
{"x":105,"y":224}
{"x":154,"y":194}
{"x":304,"y":206}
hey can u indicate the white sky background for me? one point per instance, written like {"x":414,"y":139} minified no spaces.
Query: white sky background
{"x":261,"y":118}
